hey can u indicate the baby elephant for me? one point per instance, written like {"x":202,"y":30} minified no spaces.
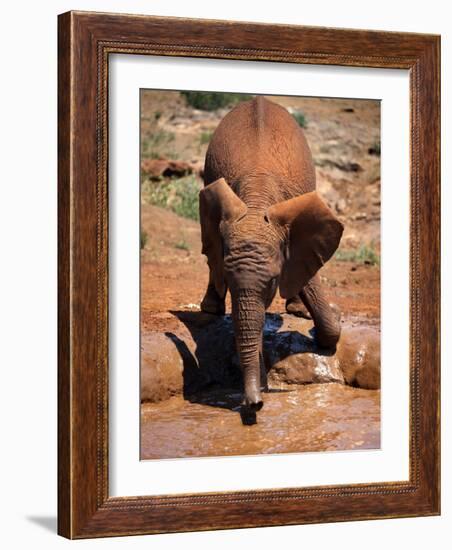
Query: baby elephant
{"x":263,"y":226}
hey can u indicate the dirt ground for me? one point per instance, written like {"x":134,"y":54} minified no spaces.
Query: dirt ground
{"x":344,"y":137}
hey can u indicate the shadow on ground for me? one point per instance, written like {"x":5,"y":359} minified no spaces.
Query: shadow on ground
{"x":49,"y":523}
{"x":211,"y":371}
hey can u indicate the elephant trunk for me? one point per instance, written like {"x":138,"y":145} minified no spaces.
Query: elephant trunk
{"x":248,"y":314}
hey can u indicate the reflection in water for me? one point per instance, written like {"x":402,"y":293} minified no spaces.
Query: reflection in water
{"x":316,"y":417}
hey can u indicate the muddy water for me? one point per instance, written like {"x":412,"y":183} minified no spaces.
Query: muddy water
{"x":315,"y":417}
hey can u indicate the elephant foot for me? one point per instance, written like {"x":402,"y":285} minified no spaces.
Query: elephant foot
{"x":327,"y":335}
{"x":212,"y":303}
{"x":327,"y":341}
{"x":295,"y":306}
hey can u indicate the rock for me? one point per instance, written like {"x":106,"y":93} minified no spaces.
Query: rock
{"x":157,"y":168}
{"x":161,"y":368}
{"x":293,"y":357}
{"x":374,"y":150}
{"x":359,"y":216}
{"x":201,"y":355}
{"x":341,"y":206}
{"x":350,"y":240}
{"x":197,"y":167}
{"x":344,"y":166}
{"x":358,"y":352}
{"x":306,"y":368}
{"x":350,"y":167}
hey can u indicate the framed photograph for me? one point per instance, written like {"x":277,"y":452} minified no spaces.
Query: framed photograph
{"x":248,"y":275}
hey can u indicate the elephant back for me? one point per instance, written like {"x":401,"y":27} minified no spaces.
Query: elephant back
{"x":259,"y":137}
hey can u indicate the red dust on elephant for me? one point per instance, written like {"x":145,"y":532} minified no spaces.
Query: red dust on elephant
{"x":263,"y":226}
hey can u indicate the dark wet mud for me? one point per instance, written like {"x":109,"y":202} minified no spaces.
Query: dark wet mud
{"x":306,"y":418}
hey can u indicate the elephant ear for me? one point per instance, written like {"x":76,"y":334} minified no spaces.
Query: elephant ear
{"x":218,"y":205}
{"x":313,"y":234}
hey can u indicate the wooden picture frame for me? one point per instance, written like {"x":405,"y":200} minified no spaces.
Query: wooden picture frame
{"x":85,"y":42}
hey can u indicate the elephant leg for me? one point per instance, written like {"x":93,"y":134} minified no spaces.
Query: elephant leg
{"x":212,"y":301}
{"x":295,"y":306}
{"x":326,"y":316}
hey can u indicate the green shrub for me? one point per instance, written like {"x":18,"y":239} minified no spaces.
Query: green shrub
{"x":182,"y":245}
{"x":177,"y":194}
{"x":375,"y":149}
{"x":300,"y":118}
{"x":210,"y":101}
{"x":365,"y":254}
{"x":156,"y":145}
{"x":143,"y":239}
{"x":205,"y":137}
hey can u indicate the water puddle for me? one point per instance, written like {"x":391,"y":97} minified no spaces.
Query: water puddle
{"x":314,"y":417}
